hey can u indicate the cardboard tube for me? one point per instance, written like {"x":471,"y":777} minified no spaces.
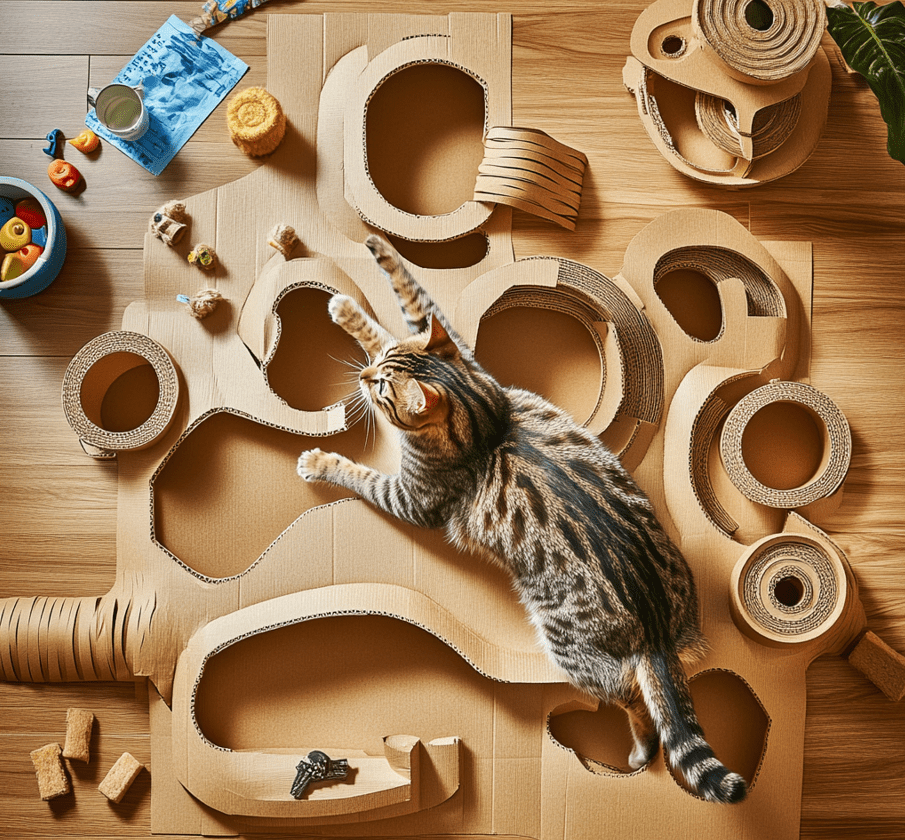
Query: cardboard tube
{"x":780,"y":44}
{"x":93,"y":375}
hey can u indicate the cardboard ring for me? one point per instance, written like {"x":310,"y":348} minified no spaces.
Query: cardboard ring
{"x":788,"y":589}
{"x":773,"y":125}
{"x":105,"y":346}
{"x":784,"y":48}
{"x":837,"y":454}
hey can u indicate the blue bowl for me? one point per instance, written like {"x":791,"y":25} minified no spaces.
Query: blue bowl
{"x":48,"y":265}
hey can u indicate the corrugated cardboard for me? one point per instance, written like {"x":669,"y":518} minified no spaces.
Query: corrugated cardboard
{"x":275,"y":617}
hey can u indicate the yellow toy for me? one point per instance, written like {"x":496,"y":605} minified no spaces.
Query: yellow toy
{"x":15,"y":234}
{"x":86,"y":142}
{"x":256,"y":121}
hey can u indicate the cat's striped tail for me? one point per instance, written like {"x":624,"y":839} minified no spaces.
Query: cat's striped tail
{"x":664,"y":687}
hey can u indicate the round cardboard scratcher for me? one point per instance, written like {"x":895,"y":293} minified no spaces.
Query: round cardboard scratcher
{"x":837,"y":445}
{"x":780,"y":44}
{"x":773,"y":125}
{"x":84,"y":390}
{"x":788,"y":589}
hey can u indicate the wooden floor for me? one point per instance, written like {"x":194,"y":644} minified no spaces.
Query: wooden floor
{"x":58,"y":508}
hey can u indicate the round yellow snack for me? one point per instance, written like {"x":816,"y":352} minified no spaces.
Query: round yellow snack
{"x":256,"y":121}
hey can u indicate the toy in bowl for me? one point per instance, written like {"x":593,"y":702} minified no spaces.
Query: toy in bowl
{"x":24,"y":274}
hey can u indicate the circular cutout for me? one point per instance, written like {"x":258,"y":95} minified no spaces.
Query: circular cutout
{"x":672,"y":46}
{"x":424,"y":131}
{"x":789,"y":590}
{"x":758,"y":15}
{"x":693,"y":300}
{"x":786,"y":445}
{"x":120,"y":391}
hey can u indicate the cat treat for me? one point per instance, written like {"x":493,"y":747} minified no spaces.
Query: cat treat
{"x":79,"y":723}
{"x":120,"y":777}
{"x":52,"y":778}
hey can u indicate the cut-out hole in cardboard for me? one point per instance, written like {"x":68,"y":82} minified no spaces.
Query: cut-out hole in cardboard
{"x":759,"y":15}
{"x":672,"y":46}
{"x":603,"y":736}
{"x":312,"y":366}
{"x":424,"y":138}
{"x":230,"y":488}
{"x":785,"y":445}
{"x":789,"y":591}
{"x":120,"y":392}
{"x":734,"y":721}
{"x":342,"y":682}
{"x":693,"y":300}
{"x":548,"y":352}
{"x":457,"y":253}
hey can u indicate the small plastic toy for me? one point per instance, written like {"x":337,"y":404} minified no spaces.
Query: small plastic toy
{"x":203,"y":256}
{"x":11,"y":267}
{"x":39,"y":236}
{"x":64,"y":175}
{"x":202,"y":303}
{"x":30,"y":212}
{"x":86,"y":142}
{"x":14,"y":234}
{"x":29,"y":254}
{"x":168,"y":222}
{"x":7,"y":210}
{"x":54,"y":139}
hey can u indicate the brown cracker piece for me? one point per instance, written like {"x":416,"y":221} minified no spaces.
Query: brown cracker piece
{"x":120,"y":777}
{"x":78,"y":734}
{"x":52,"y":778}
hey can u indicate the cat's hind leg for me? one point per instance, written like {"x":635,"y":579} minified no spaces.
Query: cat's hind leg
{"x":644,"y":733}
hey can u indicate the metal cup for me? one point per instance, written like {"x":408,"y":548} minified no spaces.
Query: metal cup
{"x":121,"y":109}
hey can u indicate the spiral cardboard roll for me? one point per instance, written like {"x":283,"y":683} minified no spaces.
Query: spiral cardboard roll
{"x":837,"y":445}
{"x":125,"y":367}
{"x":788,"y":589}
{"x":760,"y":41}
{"x":773,"y":125}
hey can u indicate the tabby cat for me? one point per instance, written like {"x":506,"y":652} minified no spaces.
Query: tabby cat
{"x":513,"y":477}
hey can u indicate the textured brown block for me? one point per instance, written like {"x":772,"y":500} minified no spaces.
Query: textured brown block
{"x":120,"y":777}
{"x":52,"y":778}
{"x":882,"y":665}
{"x":78,"y":734}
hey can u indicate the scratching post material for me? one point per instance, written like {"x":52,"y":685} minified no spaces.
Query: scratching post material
{"x":79,"y":723}
{"x":256,"y":121}
{"x":52,"y":778}
{"x":120,"y":777}
{"x":882,"y":665}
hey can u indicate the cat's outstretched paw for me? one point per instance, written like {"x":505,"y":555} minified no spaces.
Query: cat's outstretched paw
{"x":384,"y":253}
{"x":342,"y":309}
{"x":316,"y":465}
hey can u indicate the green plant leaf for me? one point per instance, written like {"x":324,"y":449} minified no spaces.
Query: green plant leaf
{"x":872,"y":40}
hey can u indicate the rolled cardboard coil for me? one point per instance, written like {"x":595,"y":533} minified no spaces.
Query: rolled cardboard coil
{"x":761,"y":53}
{"x":837,"y":445}
{"x":773,"y":125}
{"x":788,"y":589}
{"x":114,"y":354}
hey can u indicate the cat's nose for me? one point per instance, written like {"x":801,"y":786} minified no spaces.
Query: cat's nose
{"x":368,"y":374}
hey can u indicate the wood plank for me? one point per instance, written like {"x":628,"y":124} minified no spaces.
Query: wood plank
{"x":40,"y":93}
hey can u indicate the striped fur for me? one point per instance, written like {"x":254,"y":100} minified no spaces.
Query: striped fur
{"x":513,"y":477}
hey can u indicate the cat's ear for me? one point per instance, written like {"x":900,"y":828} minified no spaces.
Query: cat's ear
{"x":422,"y":398}
{"x":438,"y":340}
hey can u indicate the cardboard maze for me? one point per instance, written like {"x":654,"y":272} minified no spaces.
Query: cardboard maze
{"x":277,"y":619}
{"x":731,"y":92}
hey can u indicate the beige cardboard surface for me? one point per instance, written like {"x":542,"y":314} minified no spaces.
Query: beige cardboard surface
{"x":275,"y":617}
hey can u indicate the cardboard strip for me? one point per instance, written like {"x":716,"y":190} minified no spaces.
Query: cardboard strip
{"x":773,"y":125}
{"x":515,"y":171}
{"x":835,"y":460}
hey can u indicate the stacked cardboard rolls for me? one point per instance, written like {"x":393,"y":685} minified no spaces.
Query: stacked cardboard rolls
{"x":88,"y":379}
{"x":834,"y":462}
{"x":773,"y":125}
{"x":760,"y":41}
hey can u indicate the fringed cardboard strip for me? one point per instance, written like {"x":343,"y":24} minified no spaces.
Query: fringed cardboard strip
{"x":788,"y":588}
{"x":705,"y":426}
{"x":786,"y":44}
{"x":836,"y":459}
{"x":773,"y":125}
{"x":529,"y":170}
{"x":119,"y":351}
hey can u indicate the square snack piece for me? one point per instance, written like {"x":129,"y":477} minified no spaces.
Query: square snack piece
{"x":78,"y":734}
{"x":120,"y":777}
{"x":52,"y":778}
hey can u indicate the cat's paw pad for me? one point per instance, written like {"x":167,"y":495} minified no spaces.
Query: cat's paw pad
{"x":315,"y":464}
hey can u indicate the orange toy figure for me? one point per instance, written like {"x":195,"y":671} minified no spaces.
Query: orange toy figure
{"x":30,"y":212}
{"x":63,"y":175}
{"x":86,"y":142}
{"x":29,"y":255}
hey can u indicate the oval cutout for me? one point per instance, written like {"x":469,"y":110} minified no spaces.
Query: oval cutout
{"x":456,"y":253}
{"x":603,"y":736}
{"x":120,"y":392}
{"x":759,"y":15}
{"x":314,"y":365}
{"x":734,"y":721}
{"x":423,"y":157}
{"x":784,"y":445}
{"x":230,"y":488}
{"x":545,"y":351}
{"x":347,"y":682}
{"x":693,"y":300}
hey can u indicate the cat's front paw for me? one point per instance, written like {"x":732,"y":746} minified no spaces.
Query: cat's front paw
{"x":342,"y":309}
{"x":385,"y":254}
{"x":316,"y":465}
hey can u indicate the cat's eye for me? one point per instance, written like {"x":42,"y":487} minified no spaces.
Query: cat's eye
{"x":381,"y":386}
